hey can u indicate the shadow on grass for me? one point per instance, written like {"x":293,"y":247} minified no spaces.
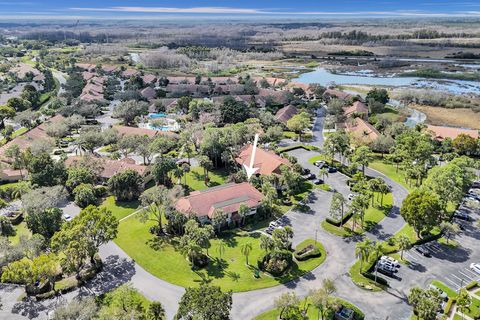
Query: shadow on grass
{"x":216,"y":268}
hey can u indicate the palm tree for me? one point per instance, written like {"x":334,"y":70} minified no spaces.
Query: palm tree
{"x":383,"y":189}
{"x":185,"y":169}
{"x":221,"y":248}
{"x":323,"y":172}
{"x":363,"y":250}
{"x":191,"y":250}
{"x":377,"y":250}
{"x":243,"y":212}
{"x":403,"y":244}
{"x":246,"y":248}
{"x":219,"y":219}
{"x":178,"y":173}
{"x":266,"y":243}
{"x":155,"y":311}
{"x":321,"y":298}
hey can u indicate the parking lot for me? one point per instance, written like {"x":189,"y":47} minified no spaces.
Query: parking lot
{"x":447,"y":263}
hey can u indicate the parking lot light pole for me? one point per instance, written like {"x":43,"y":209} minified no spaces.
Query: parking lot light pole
{"x":316,"y":230}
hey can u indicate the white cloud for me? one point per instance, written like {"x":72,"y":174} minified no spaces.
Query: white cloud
{"x":212,"y":10}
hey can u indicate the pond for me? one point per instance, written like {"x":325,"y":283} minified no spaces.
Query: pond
{"x":325,"y":77}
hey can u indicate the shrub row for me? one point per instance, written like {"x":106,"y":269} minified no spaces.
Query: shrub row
{"x":310,"y":251}
{"x":371,"y":276}
{"x":336,"y":222}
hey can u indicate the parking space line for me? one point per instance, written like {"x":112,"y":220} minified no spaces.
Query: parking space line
{"x":410,"y":256}
{"x":452,"y":282}
{"x":461,"y":280}
{"x":470,"y":271}
{"x":418,"y":255}
{"x":469,"y":277}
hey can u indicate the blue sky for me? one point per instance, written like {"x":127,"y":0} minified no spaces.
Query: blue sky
{"x":274,"y":9}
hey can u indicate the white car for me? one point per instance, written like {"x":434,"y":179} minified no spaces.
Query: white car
{"x":351,"y":196}
{"x":67,"y":217}
{"x":475,"y":267}
{"x":391,"y":260}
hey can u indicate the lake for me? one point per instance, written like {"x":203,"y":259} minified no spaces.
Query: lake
{"x":366,"y":77}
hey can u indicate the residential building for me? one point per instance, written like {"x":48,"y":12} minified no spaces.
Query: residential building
{"x":442,"y":132}
{"x":286,"y":113}
{"x":228,"y":198}
{"x":267,"y":162}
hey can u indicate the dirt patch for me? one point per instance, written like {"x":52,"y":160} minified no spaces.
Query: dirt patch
{"x":460,"y":117}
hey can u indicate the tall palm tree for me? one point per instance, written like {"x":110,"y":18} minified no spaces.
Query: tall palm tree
{"x":178,"y":173}
{"x":185,"y":169}
{"x":323,"y":172}
{"x":243,"y":212}
{"x":403,"y":244}
{"x":363,"y":250}
{"x":377,"y":251}
{"x":246,"y":248}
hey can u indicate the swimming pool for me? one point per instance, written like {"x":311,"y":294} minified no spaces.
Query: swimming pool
{"x":157,"y":115}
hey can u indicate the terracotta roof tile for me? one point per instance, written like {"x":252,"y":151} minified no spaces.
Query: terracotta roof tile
{"x":267,"y":162}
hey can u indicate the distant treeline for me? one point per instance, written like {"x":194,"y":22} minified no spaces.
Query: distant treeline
{"x":463,"y":55}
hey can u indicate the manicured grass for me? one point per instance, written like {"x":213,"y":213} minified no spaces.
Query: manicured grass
{"x":20,"y":230}
{"x":360,"y":280}
{"x":8,"y":185}
{"x":390,"y":171}
{"x":312,"y":312}
{"x":373,"y":215}
{"x":474,"y":310}
{"x":229,"y":271}
{"x":15,"y":134}
{"x":449,"y":291}
{"x":120,"y":209}
{"x":196,"y":178}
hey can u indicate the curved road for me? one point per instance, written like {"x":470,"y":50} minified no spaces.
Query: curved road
{"x":247,"y":305}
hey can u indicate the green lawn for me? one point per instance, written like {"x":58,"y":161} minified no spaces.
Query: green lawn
{"x":15,"y":134}
{"x":20,"y":230}
{"x":229,"y":271}
{"x":373,"y":215}
{"x":196,"y":178}
{"x":449,"y":291}
{"x":120,"y":209}
{"x":312,"y":312}
{"x":390,"y":171}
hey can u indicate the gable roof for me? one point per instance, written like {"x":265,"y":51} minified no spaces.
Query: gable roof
{"x":362,"y":129}
{"x":336,"y":93}
{"x":148,"y":93}
{"x":267,"y":162}
{"x":286,"y":113}
{"x":441,"y":132}
{"x":227,"y":197}
{"x":356,"y":107}
{"x":149,"y":78}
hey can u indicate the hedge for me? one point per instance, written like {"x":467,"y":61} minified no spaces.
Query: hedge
{"x":310,"y":251}
{"x":295,"y":147}
{"x":337,"y":223}
{"x":379,"y":280}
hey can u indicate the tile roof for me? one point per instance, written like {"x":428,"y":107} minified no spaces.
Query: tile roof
{"x":227,"y":197}
{"x":149,"y":78}
{"x":148,"y":93}
{"x":129,"y":73}
{"x":356,"y":107}
{"x":337,"y":93}
{"x":27,"y":139}
{"x":267,"y":162}
{"x":286,"y":113}
{"x":362,"y":129}
{"x":441,"y":132}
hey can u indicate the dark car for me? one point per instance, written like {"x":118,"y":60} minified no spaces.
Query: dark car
{"x":462,"y":215}
{"x":332,"y":170}
{"x":423,"y":250}
{"x":306,"y":171}
{"x":385,"y":271}
{"x":318,"y":181}
{"x":309,"y":176}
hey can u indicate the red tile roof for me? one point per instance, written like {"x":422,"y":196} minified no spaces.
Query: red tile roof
{"x":267,"y":162}
{"x":336,"y":93}
{"x":227,"y":197}
{"x":441,"y":132}
{"x":148,"y":93}
{"x":286,"y":113}
{"x":356,"y":107}
{"x":26,"y":140}
{"x":129,"y":73}
{"x":362,"y":129}
{"x":149,"y":78}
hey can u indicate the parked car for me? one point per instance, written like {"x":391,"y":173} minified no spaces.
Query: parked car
{"x":476,"y":184}
{"x":309,"y":176}
{"x":306,"y":171}
{"x":67,"y":217}
{"x":475,"y":267}
{"x":318,"y":181}
{"x":390,"y":259}
{"x":462,"y":215}
{"x":423,"y":250}
{"x":287,"y":201}
{"x":440,"y":291}
{"x":351,"y":196}
{"x":319,"y":163}
{"x":332,"y":169}
{"x":385,"y":270}
{"x":388,"y":265}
